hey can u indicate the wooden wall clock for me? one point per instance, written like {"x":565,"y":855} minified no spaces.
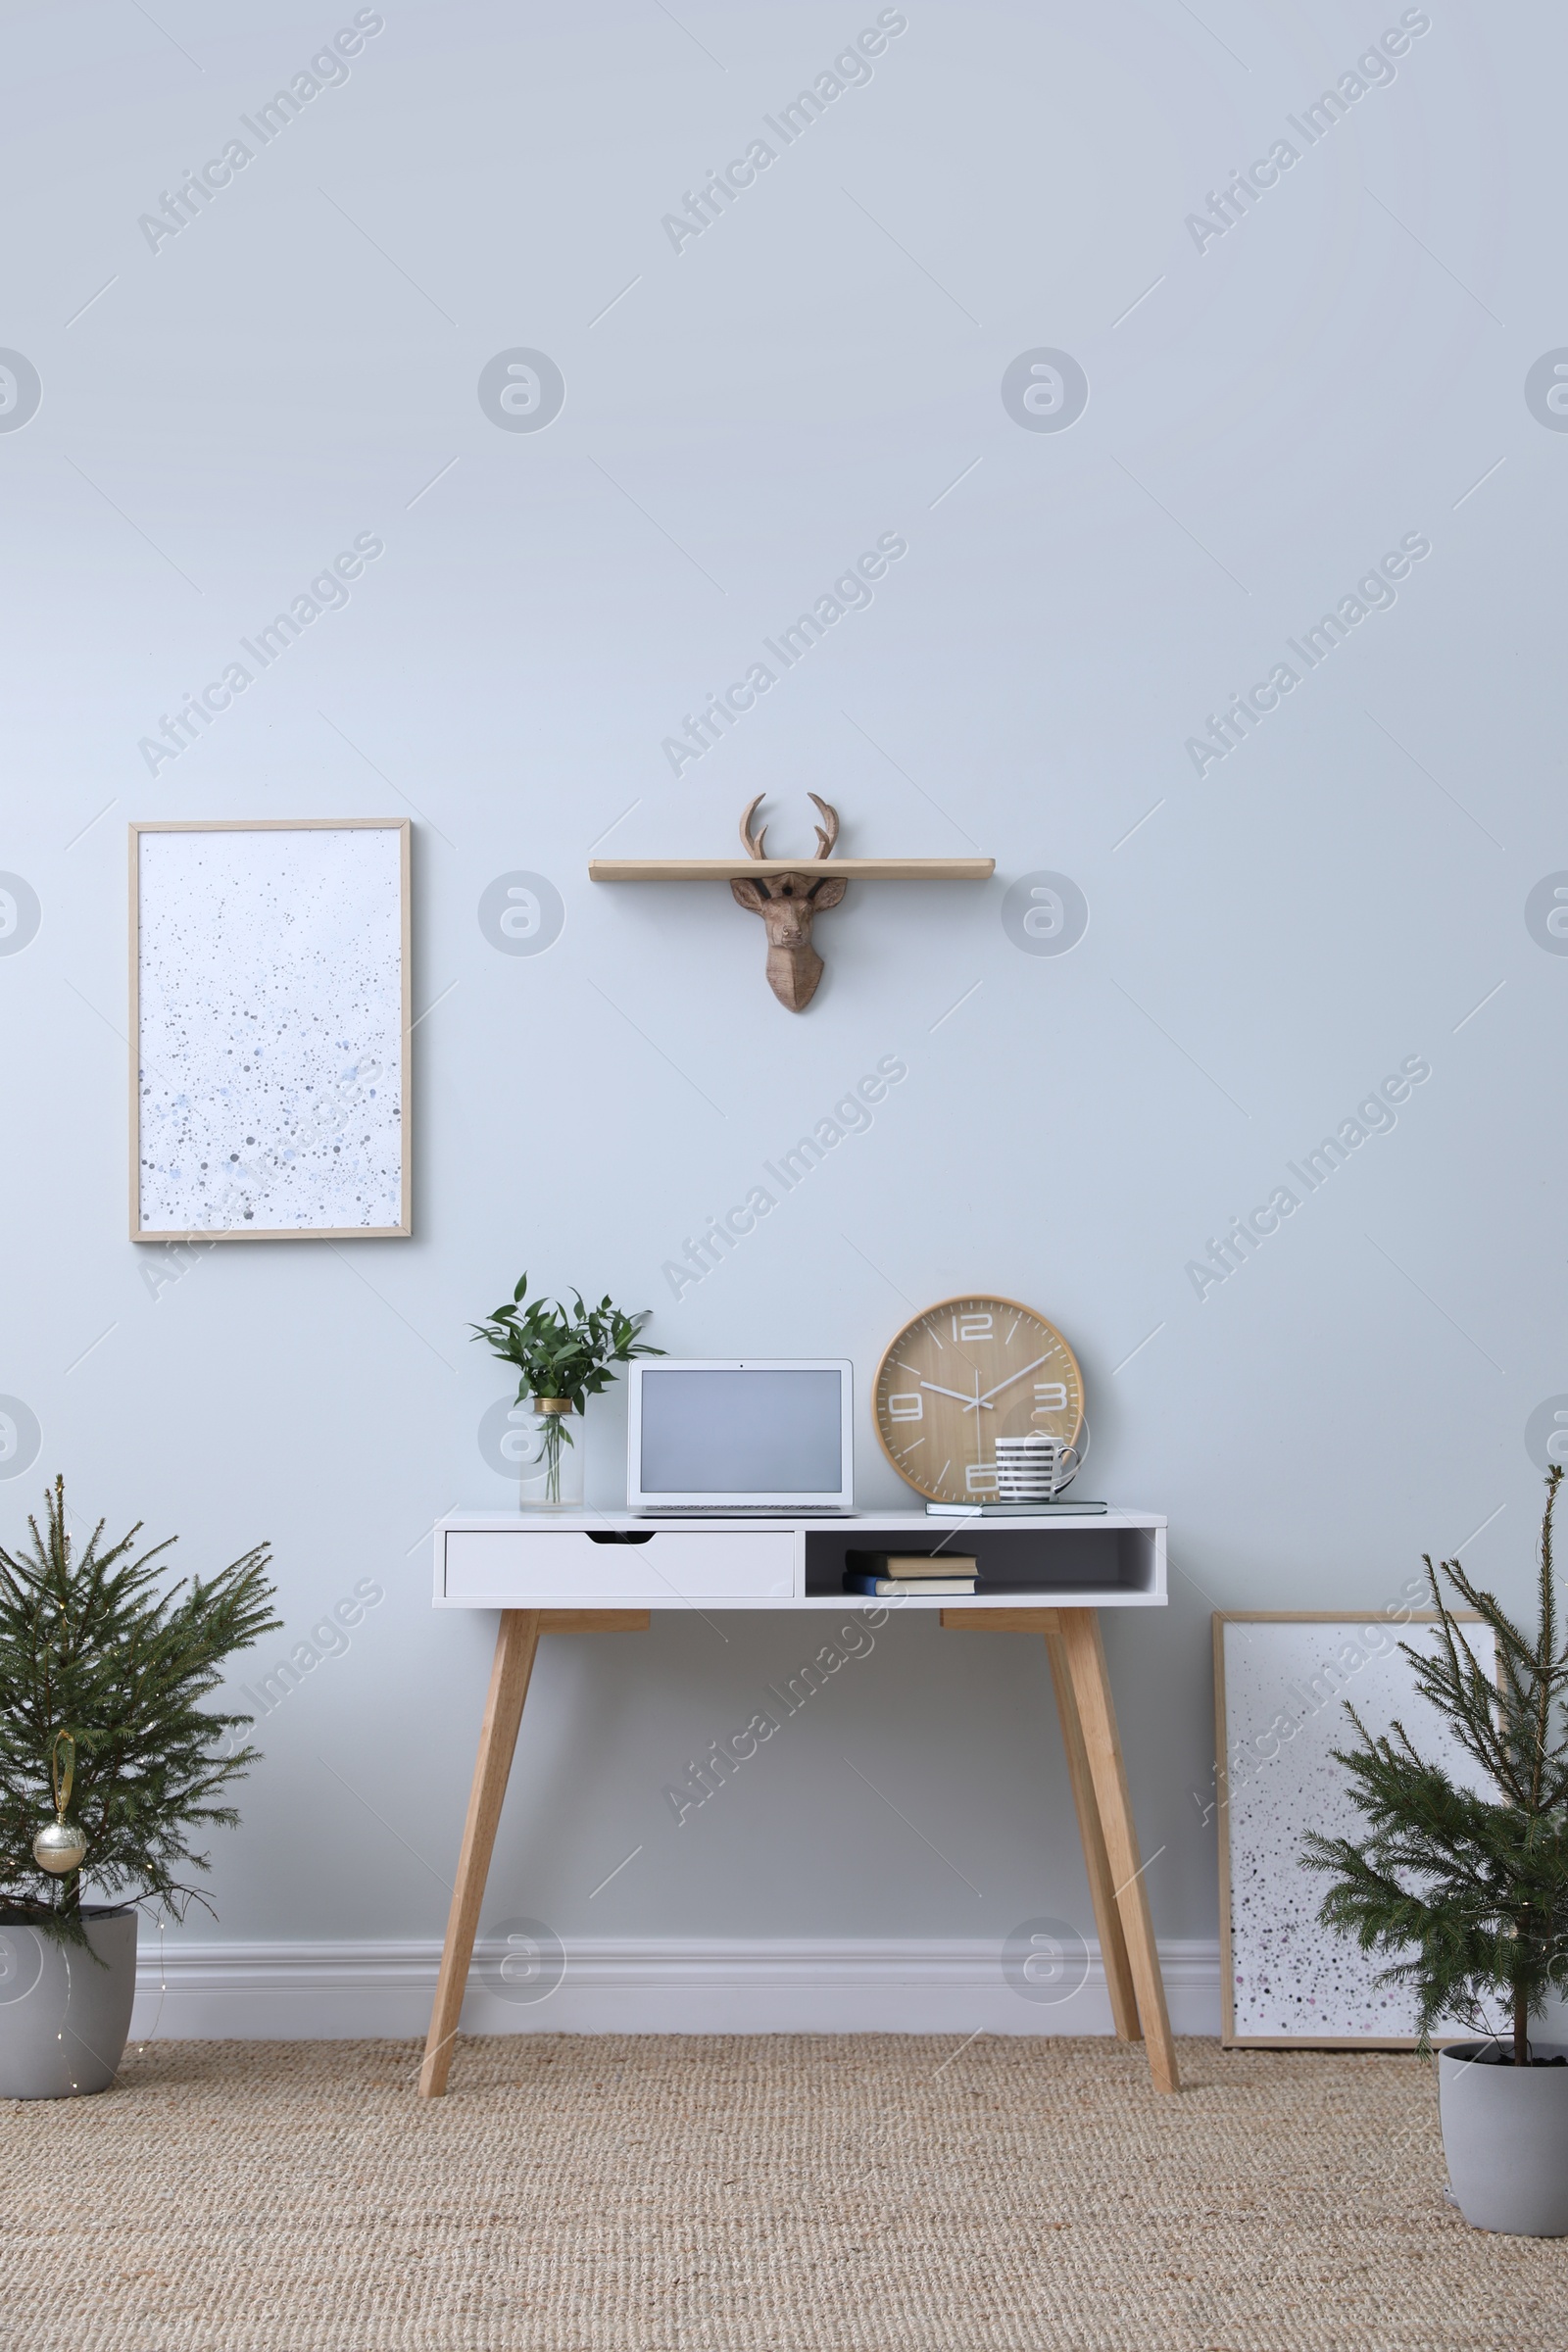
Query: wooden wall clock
{"x":961,"y":1375}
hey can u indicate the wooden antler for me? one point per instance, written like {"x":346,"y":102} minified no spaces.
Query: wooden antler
{"x":756,"y":847}
{"x":825,"y":840}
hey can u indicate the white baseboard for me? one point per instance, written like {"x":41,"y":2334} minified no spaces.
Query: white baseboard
{"x":332,"y":1991}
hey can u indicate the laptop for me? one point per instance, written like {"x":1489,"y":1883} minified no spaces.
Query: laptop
{"x":774,"y":1439}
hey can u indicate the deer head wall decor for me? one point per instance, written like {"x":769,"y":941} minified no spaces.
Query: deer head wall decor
{"x":787,"y":904}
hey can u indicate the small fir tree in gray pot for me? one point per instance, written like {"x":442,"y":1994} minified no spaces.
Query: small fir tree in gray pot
{"x":102,"y":1678}
{"x":1467,"y":1892}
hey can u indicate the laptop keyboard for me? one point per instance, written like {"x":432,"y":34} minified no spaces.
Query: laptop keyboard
{"x":742,"y":1510}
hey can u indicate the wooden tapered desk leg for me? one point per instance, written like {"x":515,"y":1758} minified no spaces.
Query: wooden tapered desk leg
{"x":1101,"y":1883}
{"x":1085,"y":1657}
{"x":1105,"y":1817}
{"x":515,"y":1645}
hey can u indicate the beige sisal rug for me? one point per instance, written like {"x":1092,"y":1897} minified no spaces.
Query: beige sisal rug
{"x":606,"y":2194}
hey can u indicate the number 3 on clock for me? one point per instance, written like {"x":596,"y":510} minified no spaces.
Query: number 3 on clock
{"x":1050,"y":1396}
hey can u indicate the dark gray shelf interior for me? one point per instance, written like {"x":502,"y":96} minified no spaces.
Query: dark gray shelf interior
{"x":1037,"y":1561}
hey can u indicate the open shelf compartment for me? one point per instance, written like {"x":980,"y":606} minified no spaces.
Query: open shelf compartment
{"x":1071,"y":1565}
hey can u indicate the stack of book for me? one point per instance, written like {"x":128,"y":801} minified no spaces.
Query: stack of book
{"x":885,"y":1573}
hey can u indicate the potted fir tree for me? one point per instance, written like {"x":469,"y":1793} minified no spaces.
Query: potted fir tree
{"x":1468,"y":1894}
{"x":562,"y":1360}
{"x":101,"y":1679}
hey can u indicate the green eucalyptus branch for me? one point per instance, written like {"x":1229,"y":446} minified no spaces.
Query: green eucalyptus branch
{"x":557,"y":1355}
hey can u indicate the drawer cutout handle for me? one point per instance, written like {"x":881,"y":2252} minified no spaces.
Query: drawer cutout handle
{"x":620,"y":1535}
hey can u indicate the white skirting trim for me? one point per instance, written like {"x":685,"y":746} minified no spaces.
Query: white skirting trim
{"x":314,"y":1991}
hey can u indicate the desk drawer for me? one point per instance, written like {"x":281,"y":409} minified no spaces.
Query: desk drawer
{"x":515,"y":1568}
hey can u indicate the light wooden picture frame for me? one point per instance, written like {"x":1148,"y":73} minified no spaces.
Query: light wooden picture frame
{"x":1288,"y":1983}
{"x":270,"y":1016}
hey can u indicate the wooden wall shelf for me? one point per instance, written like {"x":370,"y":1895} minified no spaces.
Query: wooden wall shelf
{"x":788,"y":892}
{"x":848,"y":869}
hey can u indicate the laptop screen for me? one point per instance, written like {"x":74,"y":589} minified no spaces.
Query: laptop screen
{"x":765,"y":1430}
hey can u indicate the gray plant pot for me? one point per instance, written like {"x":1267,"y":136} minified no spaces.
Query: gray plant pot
{"x":1505,"y":2135}
{"x":63,"y":2018}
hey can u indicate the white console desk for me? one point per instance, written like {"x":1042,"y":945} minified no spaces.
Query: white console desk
{"x":561,"y":1572}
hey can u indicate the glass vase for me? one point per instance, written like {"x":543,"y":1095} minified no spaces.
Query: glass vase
{"x":547,"y":1448}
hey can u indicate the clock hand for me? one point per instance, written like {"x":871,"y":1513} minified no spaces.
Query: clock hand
{"x":1011,"y":1377}
{"x":968,"y":1402}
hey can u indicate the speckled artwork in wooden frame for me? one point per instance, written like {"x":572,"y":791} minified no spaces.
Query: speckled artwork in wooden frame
{"x":397,"y":1223}
{"x":1394,"y":1624}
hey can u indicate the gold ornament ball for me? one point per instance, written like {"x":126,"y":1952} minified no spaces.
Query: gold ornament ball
{"x":58,"y":1847}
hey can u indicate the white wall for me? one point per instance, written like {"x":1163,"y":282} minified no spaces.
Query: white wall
{"x":818,"y":367}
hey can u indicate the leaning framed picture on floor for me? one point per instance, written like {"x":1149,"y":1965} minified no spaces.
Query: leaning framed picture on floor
{"x":269,"y":1022}
{"x":1281,"y":1681}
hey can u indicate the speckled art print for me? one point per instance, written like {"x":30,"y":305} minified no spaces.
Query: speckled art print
{"x":270,"y":1012}
{"x":1280,"y":1683}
